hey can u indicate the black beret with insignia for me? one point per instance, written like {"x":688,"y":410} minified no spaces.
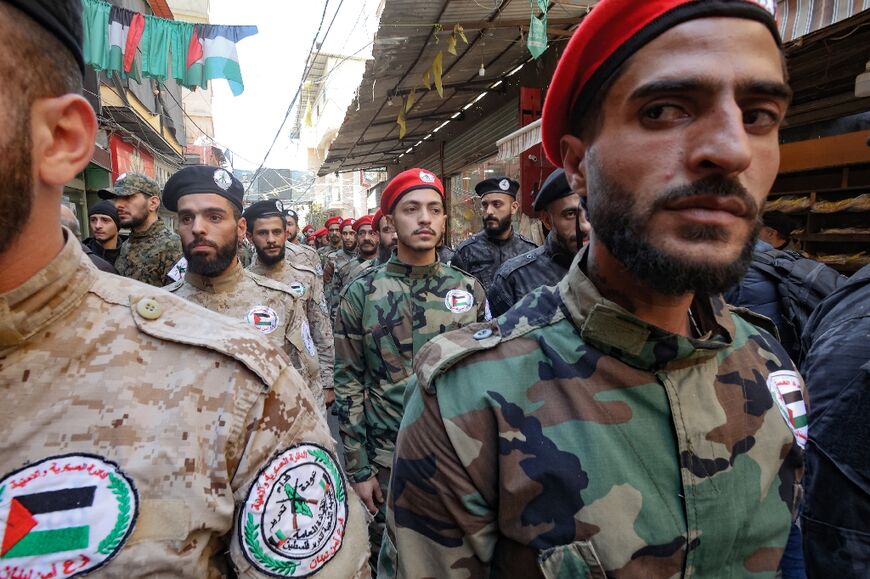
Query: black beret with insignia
{"x":504,"y":185}
{"x":555,"y":187}
{"x":260,"y":209}
{"x":62,"y":19}
{"x":203,"y":179}
{"x":290,"y":214}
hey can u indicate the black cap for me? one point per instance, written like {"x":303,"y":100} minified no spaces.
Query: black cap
{"x":504,"y":185}
{"x":106,"y":208}
{"x":290,"y":214}
{"x":779,"y":222}
{"x":61,"y":18}
{"x":203,"y":179}
{"x":260,"y":209}
{"x":555,"y":187}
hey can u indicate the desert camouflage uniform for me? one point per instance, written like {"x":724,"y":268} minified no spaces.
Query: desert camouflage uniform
{"x":238,"y":293}
{"x":148,"y":256}
{"x":299,"y":254}
{"x":304,"y":281}
{"x":189,"y":407}
{"x":343,"y":276}
{"x":568,"y":438}
{"x":385,"y":316}
{"x":246,"y":253}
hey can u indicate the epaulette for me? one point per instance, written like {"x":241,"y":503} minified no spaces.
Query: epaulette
{"x":170,"y":318}
{"x":174,"y":286}
{"x":459,"y":269}
{"x":756,"y":320}
{"x":270,"y":283}
{"x":446,"y":350}
{"x":517,"y":262}
{"x":302,"y":267}
{"x":526,"y":239}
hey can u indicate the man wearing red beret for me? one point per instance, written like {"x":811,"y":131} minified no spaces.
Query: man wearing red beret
{"x":384,"y":317}
{"x":338,"y":259}
{"x":626,"y":422}
{"x":386,"y":237}
{"x":367,"y":253}
{"x":333,"y":233}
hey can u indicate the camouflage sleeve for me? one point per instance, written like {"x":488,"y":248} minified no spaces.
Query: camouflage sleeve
{"x":169,"y":257}
{"x":440,"y":519}
{"x":333,"y":292}
{"x":350,"y":388}
{"x":288,"y":486}
{"x":321,"y":332}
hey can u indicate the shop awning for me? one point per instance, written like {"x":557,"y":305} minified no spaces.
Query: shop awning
{"x":518,"y":141}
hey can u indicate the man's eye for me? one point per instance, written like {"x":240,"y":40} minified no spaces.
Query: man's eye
{"x":760,"y":118}
{"x":664,"y":113}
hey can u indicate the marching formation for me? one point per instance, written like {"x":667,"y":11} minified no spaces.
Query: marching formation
{"x":239,"y":396}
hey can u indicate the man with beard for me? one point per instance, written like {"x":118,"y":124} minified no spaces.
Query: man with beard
{"x":548,"y":264}
{"x":333,"y":236}
{"x":208,"y":201}
{"x":367,"y":253}
{"x":483,"y":253}
{"x":298,"y":252}
{"x":385,"y":317}
{"x":105,"y":223}
{"x":137,"y":427}
{"x":625,"y":422}
{"x":337,"y":260}
{"x":387,"y":238}
{"x":267,"y":230}
{"x":152,"y":249}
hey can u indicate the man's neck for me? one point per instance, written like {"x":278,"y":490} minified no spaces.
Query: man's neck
{"x":146,"y":225}
{"x":40,"y":241}
{"x":111,"y":243}
{"x":367,"y":256}
{"x":335,"y":245}
{"x":410,"y":256}
{"x":615,"y":283}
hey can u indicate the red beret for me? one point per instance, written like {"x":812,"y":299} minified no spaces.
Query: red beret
{"x":334,"y":220}
{"x":376,"y":219}
{"x":608,"y":37}
{"x":364,"y":220}
{"x":348,"y":223}
{"x":307,"y":228}
{"x":320,"y":232}
{"x":407,"y":181}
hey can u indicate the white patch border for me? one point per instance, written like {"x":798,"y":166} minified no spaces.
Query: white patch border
{"x":272,"y":328}
{"x":462,"y":292}
{"x":800,"y":433}
{"x":504,"y":185}
{"x":427,"y":177}
{"x":131,"y":486}
{"x":219,"y":176}
{"x":246,"y":513}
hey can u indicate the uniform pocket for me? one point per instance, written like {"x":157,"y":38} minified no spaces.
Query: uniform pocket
{"x":577,"y":560}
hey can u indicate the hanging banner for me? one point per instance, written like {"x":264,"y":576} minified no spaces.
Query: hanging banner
{"x":537,"y":42}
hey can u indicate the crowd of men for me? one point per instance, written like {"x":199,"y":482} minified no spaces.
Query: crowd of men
{"x":592,"y":407}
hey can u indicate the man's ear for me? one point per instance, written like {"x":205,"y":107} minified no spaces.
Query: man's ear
{"x":153,"y":203}
{"x":514,"y":207}
{"x":63,"y":130}
{"x":243,"y":228}
{"x":573,"y":151}
{"x":546,"y":219}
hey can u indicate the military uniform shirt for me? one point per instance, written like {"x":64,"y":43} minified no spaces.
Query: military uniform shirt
{"x":135,"y":427}
{"x":305,"y":282}
{"x":520,"y":275}
{"x":385,"y":316}
{"x":343,"y":276}
{"x":481,"y":256}
{"x":148,"y":256}
{"x":299,"y":254}
{"x":569,"y":438}
{"x":269,"y":306}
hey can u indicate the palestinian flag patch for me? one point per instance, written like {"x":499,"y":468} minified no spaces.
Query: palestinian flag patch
{"x":263,"y":318}
{"x":64,"y":516}
{"x":458,"y":301}
{"x":294,"y":517}
{"x":785,"y":388}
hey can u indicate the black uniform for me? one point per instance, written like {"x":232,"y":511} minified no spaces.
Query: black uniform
{"x":518,"y":276}
{"x":481,"y":256}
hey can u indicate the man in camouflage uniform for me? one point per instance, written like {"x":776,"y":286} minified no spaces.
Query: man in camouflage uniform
{"x":297,"y":252}
{"x":627,"y":422}
{"x":139,"y":430}
{"x":208,"y":201}
{"x":386,"y":236}
{"x":548,"y":264}
{"x":384,"y":318}
{"x":152,"y":249}
{"x":337,"y":259}
{"x":483,"y":253}
{"x":367,"y":246}
{"x":268,"y":233}
{"x":333,"y":236}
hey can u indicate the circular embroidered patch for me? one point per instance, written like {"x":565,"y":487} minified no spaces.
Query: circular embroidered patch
{"x":223,"y":179}
{"x":297,"y":288}
{"x":263,"y":318}
{"x":427,"y":177}
{"x":785,"y":388}
{"x":504,"y":184}
{"x":293,"y":520}
{"x":64,"y":516}
{"x":458,"y":301}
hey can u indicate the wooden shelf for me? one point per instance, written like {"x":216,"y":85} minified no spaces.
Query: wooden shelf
{"x":864,"y":188}
{"x":835,"y":237}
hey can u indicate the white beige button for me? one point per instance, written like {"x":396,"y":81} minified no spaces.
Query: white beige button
{"x":149,"y":309}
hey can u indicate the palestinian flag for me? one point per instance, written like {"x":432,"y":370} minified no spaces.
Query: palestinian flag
{"x":30,"y":530}
{"x":212,"y":54}
{"x":125,"y":32}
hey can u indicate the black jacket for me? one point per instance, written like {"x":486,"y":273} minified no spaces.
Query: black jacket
{"x":481,"y":256}
{"x":836,"y":515}
{"x":98,"y":261}
{"x":518,"y":276}
{"x":97,"y":249}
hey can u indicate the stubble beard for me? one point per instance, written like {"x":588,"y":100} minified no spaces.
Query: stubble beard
{"x":612,"y":211}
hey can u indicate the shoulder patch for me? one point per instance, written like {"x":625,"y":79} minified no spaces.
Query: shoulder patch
{"x":440,"y":354}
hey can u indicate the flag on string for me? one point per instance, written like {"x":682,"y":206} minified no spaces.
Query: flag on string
{"x":212,"y":54}
{"x":537,"y":43}
{"x":124,"y":33}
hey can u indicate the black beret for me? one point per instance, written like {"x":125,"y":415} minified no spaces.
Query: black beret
{"x":260,"y":209}
{"x":61,"y":18}
{"x":106,"y":208}
{"x":203,"y":179}
{"x":504,"y":185}
{"x":290,"y":214}
{"x":555,"y":187}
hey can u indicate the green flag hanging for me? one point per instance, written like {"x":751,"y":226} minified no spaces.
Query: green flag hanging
{"x":537,"y":42}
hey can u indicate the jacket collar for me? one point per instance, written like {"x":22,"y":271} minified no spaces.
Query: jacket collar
{"x":221,"y":283}
{"x":155,"y":229}
{"x":397,"y":268}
